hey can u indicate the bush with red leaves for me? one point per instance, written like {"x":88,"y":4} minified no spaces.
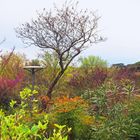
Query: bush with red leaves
{"x":8,"y":88}
{"x":88,"y":79}
{"x":125,"y":73}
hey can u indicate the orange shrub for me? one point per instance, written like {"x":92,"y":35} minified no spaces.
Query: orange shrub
{"x":65,"y":104}
{"x":73,"y":112}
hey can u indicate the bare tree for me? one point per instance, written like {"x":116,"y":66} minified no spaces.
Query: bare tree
{"x":66,"y":31}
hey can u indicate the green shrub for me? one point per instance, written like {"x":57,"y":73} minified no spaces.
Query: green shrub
{"x":117,"y":121}
{"x":26,"y":122}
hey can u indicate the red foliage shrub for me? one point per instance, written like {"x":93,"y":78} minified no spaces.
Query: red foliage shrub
{"x":88,"y":79}
{"x":8,"y":87}
{"x":11,"y":76}
{"x":10,"y":83}
{"x":125,"y":73}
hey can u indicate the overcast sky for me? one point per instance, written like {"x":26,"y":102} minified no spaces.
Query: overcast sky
{"x":120,"y":23}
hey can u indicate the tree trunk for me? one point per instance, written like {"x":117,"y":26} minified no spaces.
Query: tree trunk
{"x":54,"y":82}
